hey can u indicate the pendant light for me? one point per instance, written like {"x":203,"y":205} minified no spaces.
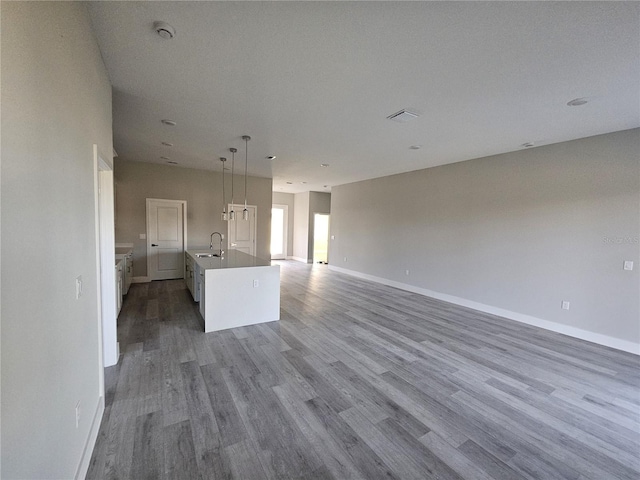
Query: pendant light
{"x":224,"y":215}
{"x":232,"y":213}
{"x":245,"y":212}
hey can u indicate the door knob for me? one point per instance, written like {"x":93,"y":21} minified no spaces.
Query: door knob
{"x":154,"y":244}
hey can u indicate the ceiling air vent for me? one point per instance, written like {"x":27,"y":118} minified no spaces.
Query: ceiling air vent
{"x":403,"y":116}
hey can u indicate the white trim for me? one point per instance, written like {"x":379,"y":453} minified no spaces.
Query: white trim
{"x":598,"y":338}
{"x":299,"y":259}
{"x":144,"y":279}
{"x":83,"y":466}
{"x":124,"y":245}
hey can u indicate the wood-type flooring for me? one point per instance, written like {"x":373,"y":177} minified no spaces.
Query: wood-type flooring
{"x":359,"y":380}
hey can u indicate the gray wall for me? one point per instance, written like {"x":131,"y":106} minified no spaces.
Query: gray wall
{"x":301,"y":226}
{"x":56,"y":103}
{"x":137,"y":181}
{"x":520,"y":231}
{"x":281,"y":198}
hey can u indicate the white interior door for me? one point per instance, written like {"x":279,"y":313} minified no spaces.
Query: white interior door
{"x":242,"y":233}
{"x":165,"y":238}
{"x":279,"y":224}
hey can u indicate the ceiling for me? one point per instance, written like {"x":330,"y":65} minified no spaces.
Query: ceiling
{"x":313,"y":82}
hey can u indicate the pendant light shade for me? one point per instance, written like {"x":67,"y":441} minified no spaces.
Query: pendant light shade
{"x":246,"y":138}
{"x":232,"y":213}
{"x":224,"y":214}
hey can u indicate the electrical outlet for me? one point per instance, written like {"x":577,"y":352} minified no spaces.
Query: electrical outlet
{"x":406,"y":272}
{"x":628,"y":265}
{"x":78,"y":414}
{"x":565,"y":305}
{"x":345,"y":259}
{"x":78,"y":287}
{"x":256,"y":283}
{"x":333,"y":237}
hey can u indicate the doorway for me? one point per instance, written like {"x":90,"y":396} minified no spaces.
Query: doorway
{"x":320,"y":238}
{"x":242,"y":233}
{"x":166,"y":238}
{"x":279,"y":231}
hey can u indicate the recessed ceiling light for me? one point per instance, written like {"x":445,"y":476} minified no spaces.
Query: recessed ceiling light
{"x":167,"y":144}
{"x":326,"y":186}
{"x":576,"y":102}
{"x":403,"y":116}
{"x":271,"y":157}
{"x":415,"y":147}
{"x":289,"y":183}
{"x":172,"y":162}
{"x":165,"y":30}
{"x":165,"y":158}
{"x":303,"y":183}
{"x":169,"y":122}
{"x":527,"y":145}
{"x":324,"y":164}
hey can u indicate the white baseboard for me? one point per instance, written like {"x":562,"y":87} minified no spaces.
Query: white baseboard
{"x":83,"y":466}
{"x":299,"y":259}
{"x":140,"y":279}
{"x":598,"y":338}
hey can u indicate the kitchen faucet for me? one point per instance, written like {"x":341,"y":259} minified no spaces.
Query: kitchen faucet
{"x":211,"y":242}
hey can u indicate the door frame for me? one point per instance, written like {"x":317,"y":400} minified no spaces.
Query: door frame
{"x":183,"y":203}
{"x":240,"y":206}
{"x":285,"y":233}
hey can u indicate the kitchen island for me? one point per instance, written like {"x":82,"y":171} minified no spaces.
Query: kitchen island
{"x":234,"y":290}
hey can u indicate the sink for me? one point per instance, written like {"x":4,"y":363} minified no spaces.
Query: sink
{"x":206,"y":255}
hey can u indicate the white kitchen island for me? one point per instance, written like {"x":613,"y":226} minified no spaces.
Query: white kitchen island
{"x":235,"y":290}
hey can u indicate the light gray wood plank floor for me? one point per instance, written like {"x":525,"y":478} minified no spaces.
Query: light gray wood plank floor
{"x":359,"y":380}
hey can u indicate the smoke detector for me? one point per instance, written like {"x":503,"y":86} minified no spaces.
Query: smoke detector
{"x":165,"y":30}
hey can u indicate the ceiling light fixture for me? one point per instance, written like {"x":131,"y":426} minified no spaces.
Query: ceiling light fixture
{"x":165,"y":30}
{"x":172,"y":162}
{"x":167,"y":144}
{"x":171,"y":123}
{"x":224,"y":214}
{"x":246,"y":138}
{"x":324,"y":164}
{"x":576,"y":102}
{"x":303,"y":183}
{"x":232,"y":213}
{"x":271,"y":157}
{"x":165,"y":158}
{"x":289,"y":183}
{"x":415,"y":147}
{"x":403,"y":116}
{"x":527,"y":145}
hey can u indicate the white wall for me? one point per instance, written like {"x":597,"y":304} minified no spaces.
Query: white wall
{"x":281,"y":198}
{"x":56,"y":103}
{"x":521,"y":232}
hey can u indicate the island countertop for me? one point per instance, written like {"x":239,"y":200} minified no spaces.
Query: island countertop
{"x":230,"y":259}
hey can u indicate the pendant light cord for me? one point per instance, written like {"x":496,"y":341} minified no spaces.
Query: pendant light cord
{"x":246,"y":157}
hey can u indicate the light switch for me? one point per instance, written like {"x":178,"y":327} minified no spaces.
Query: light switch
{"x":565,"y":305}
{"x":256,"y":283}
{"x":333,"y":237}
{"x":628,"y":265}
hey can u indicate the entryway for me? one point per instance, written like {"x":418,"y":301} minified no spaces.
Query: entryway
{"x":320,"y":238}
{"x":279,"y":231}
